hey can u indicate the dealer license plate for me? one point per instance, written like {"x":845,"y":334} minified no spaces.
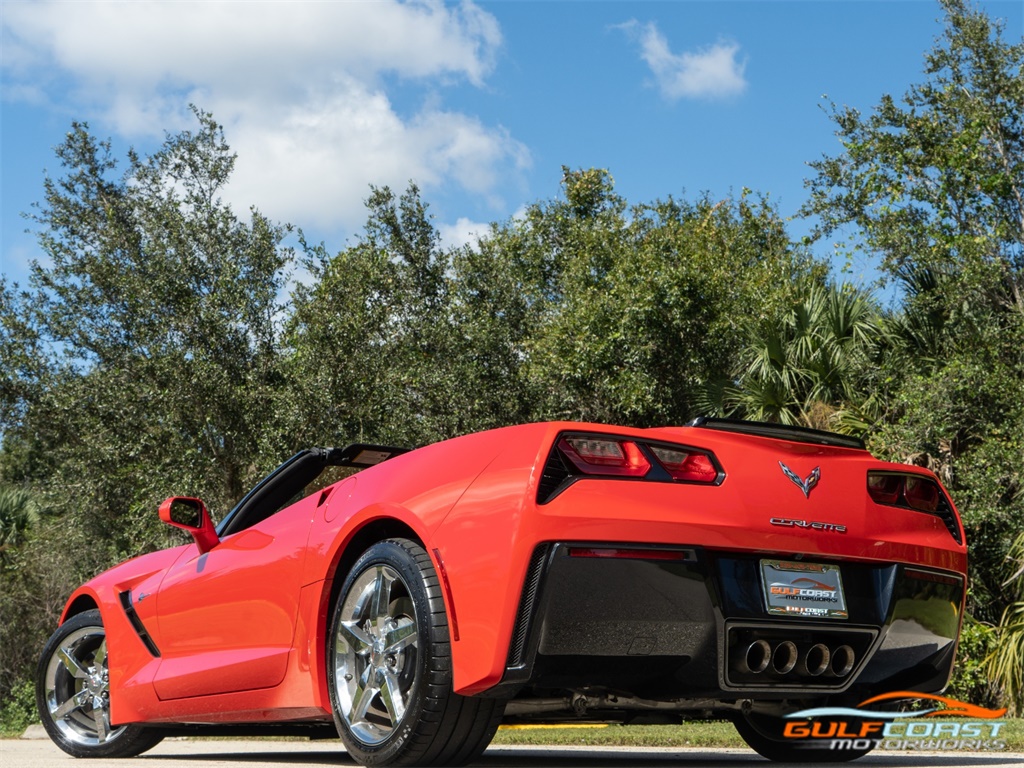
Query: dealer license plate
{"x":809,"y":590}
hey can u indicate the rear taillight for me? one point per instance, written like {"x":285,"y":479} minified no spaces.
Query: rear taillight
{"x":921,"y":494}
{"x":579,"y":455}
{"x":688,"y":466}
{"x":605,"y":456}
{"x":885,"y":489}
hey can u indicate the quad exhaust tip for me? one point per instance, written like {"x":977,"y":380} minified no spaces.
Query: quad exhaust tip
{"x":758,"y":656}
{"x":843,"y":660}
{"x":815,"y":661}
{"x":784,"y":657}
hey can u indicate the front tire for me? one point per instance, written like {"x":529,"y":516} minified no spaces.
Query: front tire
{"x":73,"y":694}
{"x":390,"y":672}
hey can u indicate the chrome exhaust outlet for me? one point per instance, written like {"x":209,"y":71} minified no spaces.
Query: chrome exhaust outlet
{"x":757,"y":657}
{"x":784,"y":657}
{"x":816,"y":660}
{"x":843,"y":659}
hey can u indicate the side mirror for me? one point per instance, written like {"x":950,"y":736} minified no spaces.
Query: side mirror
{"x":191,"y":515}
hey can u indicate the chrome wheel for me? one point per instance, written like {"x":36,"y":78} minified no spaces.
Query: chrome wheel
{"x":389,"y":672}
{"x":77,"y":689}
{"x":375,"y":650}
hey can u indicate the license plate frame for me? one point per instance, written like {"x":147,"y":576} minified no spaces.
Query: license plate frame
{"x":803,"y":590}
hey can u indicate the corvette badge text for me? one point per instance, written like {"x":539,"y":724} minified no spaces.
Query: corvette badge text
{"x":786,"y":522}
{"x":925,"y":729}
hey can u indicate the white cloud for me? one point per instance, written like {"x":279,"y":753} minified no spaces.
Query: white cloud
{"x":711,"y":72}
{"x":317,"y":167}
{"x":462,"y":232}
{"x":301,"y":88}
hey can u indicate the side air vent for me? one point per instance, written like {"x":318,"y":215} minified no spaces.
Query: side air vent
{"x":527,"y":605}
{"x":556,"y":473}
{"x":948,"y":517}
{"x":137,"y":625}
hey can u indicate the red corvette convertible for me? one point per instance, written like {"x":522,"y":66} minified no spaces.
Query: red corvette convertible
{"x":552,"y":571}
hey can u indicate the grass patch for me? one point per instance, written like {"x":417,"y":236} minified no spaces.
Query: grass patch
{"x":700,"y":734}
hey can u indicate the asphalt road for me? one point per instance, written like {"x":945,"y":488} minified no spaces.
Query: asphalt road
{"x":40,"y":753}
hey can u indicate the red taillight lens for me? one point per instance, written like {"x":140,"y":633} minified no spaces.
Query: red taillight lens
{"x":916,"y":492}
{"x":884,"y":489}
{"x":604,"y":456}
{"x":578,"y":455}
{"x":686,"y":466}
{"x":921,"y":493}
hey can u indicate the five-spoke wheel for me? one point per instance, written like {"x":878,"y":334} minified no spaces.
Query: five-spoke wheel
{"x":375,"y":650}
{"x":390,"y":674}
{"x":73,"y":694}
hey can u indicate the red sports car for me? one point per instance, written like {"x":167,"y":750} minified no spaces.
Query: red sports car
{"x":553,"y":571}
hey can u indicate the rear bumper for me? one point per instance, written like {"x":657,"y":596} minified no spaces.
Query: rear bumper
{"x":696,"y":626}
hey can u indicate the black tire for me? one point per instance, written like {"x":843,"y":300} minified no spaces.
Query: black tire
{"x":73,"y":697}
{"x":390,"y":671}
{"x":763,"y":734}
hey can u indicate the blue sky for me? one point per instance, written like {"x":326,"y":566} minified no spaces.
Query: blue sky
{"x":480,"y":104}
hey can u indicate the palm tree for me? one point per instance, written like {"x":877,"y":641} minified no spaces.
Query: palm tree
{"x":807,"y":367}
{"x":1006,"y":663}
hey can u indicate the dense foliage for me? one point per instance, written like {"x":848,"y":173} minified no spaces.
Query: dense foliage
{"x":934,"y":185}
{"x":166,"y":345}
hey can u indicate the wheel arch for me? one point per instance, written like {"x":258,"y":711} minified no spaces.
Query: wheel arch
{"x":368,"y":534}
{"x":80,"y":602}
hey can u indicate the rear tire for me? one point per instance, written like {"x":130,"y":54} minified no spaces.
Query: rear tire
{"x":73,"y":694}
{"x":763,"y":734}
{"x":390,"y":671}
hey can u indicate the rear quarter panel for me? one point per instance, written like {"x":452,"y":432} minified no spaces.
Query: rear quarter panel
{"x":485,"y":472}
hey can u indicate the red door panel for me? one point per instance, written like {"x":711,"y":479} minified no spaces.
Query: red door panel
{"x":226,"y":619}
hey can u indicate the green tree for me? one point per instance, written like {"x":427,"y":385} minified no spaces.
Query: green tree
{"x":636,"y":309}
{"x":375,"y":353}
{"x":583,"y":308}
{"x":936,"y":180}
{"x":933,"y":184}
{"x":18,"y":515}
{"x":140,"y":362}
{"x":153,"y":324}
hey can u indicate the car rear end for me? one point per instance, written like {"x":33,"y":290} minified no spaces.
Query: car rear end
{"x":706,"y":566}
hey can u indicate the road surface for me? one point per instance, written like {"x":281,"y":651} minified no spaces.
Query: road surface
{"x":192,"y":753}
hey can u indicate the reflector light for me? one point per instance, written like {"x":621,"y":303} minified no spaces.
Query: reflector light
{"x":604,"y":456}
{"x":682,"y":465}
{"x":630,"y":554}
